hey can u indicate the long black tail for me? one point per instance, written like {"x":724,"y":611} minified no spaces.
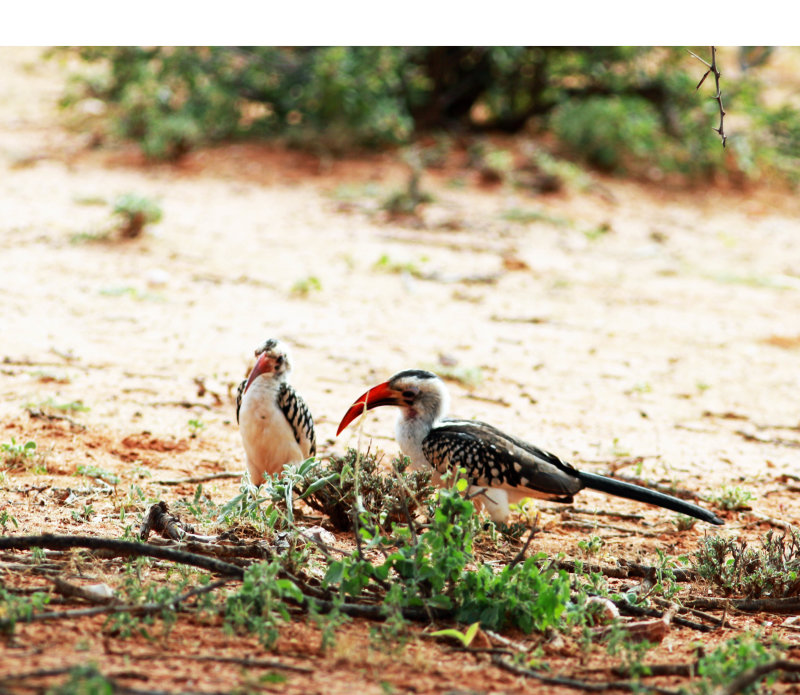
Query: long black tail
{"x":642,"y":494}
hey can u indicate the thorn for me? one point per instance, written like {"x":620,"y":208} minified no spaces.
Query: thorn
{"x":702,"y":79}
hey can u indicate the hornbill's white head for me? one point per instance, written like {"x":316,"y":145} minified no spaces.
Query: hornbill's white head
{"x":272,"y":360}
{"x":420,"y":395}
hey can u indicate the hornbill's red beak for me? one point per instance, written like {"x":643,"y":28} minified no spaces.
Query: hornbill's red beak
{"x":378,"y":395}
{"x":264,"y":363}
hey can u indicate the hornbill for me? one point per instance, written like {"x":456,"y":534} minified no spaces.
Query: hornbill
{"x":275,"y":423}
{"x":506,"y":468}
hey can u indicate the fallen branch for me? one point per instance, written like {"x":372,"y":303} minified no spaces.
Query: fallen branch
{"x":246,"y":662}
{"x":790,"y":604}
{"x":640,"y":611}
{"x":39,"y":414}
{"x":655,"y":670}
{"x":595,"y":512}
{"x":625,"y":570}
{"x":257,"y":550}
{"x":778,"y":523}
{"x":115,"y":686}
{"x":717,"y":622}
{"x":132,"y":608}
{"x":777,"y":441}
{"x":122,"y":548}
{"x":588,"y":686}
{"x":755,"y":674}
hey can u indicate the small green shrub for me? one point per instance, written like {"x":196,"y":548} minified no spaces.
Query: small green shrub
{"x":18,"y":455}
{"x":92,"y":471}
{"x":84,"y":680}
{"x":605,"y":130}
{"x":733,"y":498}
{"x":724,"y":664}
{"x":434,"y":570}
{"x":354,"y":482}
{"x":259,"y":605}
{"x":135,"y":212}
{"x":15,"y":609}
{"x":305,"y":286}
{"x":773,"y":570}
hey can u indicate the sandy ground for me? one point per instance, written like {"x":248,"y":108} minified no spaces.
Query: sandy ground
{"x":672,"y":339}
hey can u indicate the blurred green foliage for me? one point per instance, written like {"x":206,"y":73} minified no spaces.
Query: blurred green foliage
{"x":623,"y":109}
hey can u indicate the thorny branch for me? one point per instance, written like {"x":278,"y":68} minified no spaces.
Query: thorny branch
{"x":713,"y":69}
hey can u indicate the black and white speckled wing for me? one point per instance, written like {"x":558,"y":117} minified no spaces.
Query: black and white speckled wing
{"x":299,"y":417}
{"x":495,"y":459}
{"x":239,"y":395}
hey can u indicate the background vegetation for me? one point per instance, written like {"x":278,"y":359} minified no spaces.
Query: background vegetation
{"x":622,"y":109}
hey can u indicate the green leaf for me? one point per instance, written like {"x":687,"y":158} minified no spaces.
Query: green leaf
{"x":335,"y":573}
{"x":465,"y":637}
{"x":319,"y":484}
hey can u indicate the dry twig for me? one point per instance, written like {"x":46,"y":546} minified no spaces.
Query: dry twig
{"x":198,"y":479}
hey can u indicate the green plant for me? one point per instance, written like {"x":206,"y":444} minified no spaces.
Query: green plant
{"x":279,"y":492}
{"x":17,"y":455}
{"x":14,"y":609}
{"x":259,"y":604}
{"x":385,"y":264}
{"x":525,"y":216}
{"x":592,"y":546}
{"x":135,"y":212}
{"x":465,"y":638}
{"x":433,"y":571}
{"x":407,"y":200}
{"x":683,"y":522}
{"x":83,"y":514}
{"x":620,"y":108}
{"x":93,"y":471}
{"x":195,"y":427}
{"x":733,"y":497}
{"x":355,"y":483}
{"x":71,"y":407}
{"x":665,"y":584}
{"x":5,"y":519}
{"x":593,"y":234}
{"x":724,"y":664}
{"x":136,"y":591}
{"x":305,"y":286}
{"x":772,"y":570}
{"x":84,"y":680}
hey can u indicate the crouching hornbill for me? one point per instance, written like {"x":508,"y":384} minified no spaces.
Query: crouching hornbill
{"x":275,"y":423}
{"x":506,"y":468}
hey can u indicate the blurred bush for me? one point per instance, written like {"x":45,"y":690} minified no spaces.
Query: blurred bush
{"x":623,"y":109}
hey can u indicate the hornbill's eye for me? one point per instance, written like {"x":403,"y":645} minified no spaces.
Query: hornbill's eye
{"x":410,"y":394}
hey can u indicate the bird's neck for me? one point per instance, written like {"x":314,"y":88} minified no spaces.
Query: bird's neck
{"x":413,"y":425}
